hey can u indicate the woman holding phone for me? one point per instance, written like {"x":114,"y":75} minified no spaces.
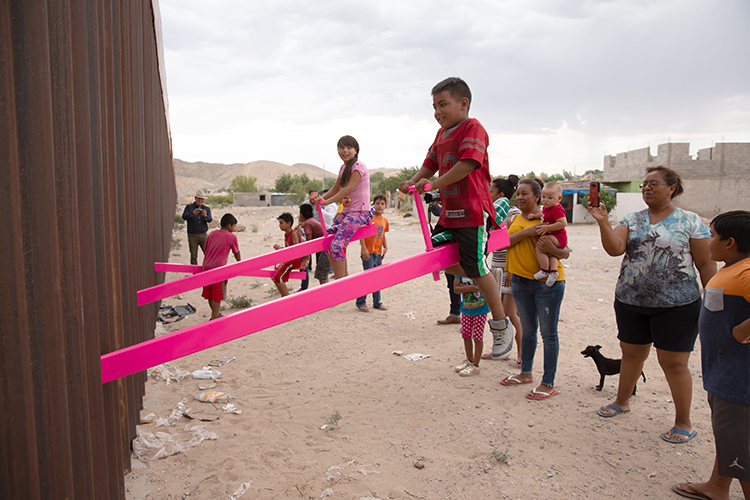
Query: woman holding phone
{"x":657,"y":297}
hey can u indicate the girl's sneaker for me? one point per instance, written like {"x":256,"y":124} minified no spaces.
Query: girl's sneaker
{"x":464,"y":365}
{"x":541,"y":275}
{"x":551,"y":278}
{"x":470,"y":371}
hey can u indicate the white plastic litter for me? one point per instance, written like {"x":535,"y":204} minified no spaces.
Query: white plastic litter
{"x":148,"y":446}
{"x":206,"y":374}
{"x":231,"y":408}
{"x":410,"y":315}
{"x":167,"y":373}
{"x":416,"y":356}
{"x":214,"y":397}
{"x":199,"y":434}
{"x":240,"y":491}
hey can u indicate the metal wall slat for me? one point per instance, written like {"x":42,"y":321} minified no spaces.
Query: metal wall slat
{"x":83,"y":139}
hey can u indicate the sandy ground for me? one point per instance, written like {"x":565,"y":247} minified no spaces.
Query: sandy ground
{"x":289,"y":381}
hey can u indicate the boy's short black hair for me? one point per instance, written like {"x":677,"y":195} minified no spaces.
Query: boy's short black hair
{"x":457,"y":87}
{"x":228,"y":219}
{"x":286,"y":217}
{"x":734,"y":224}
{"x":306,"y":211}
{"x":379,"y":197}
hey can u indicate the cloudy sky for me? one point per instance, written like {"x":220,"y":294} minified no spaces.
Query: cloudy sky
{"x":556,"y":83}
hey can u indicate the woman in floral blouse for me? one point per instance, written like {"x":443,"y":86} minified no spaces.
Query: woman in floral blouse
{"x":657,"y":296}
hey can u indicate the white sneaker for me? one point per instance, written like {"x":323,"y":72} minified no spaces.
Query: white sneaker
{"x":502,"y":335}
{"x":464,"y":365}
{"x":470,"y":371}
{"x":541,"y":275}
{"x":551,"y":278}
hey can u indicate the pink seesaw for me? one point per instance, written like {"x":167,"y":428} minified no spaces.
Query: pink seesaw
{"x":200,"y":337}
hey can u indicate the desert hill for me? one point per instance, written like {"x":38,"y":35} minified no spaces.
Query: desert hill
{"x":192,"y":177}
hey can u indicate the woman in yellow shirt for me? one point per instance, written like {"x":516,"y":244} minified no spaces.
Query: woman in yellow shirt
{"x":538,"y":305}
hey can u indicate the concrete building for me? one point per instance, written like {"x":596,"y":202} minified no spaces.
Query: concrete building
{"x":715,"y":181}
{"x":263,"y":200}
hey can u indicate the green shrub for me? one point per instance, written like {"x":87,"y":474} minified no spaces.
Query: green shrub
{"x":220,"y":200}
{"x":243,"y":184}
{"x":609,"y":200}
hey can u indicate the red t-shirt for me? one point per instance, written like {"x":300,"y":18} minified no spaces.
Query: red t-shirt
{"x":550,"y":216}
{"x":466,"y":201}
{"x":312,"y":227}
{"x":218,"y":245}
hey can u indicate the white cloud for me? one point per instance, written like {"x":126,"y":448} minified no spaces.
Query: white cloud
{"x":283,"y":80}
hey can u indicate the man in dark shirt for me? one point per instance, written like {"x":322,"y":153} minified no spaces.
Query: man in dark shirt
{"x":197,"y":216}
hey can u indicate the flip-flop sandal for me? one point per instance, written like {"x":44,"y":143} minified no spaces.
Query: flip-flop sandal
{"x":541,"y":395}
{"x":488,"y":355}
{"x":616,"y":408}
{"x":514,"y":380}
{"x":679,"y":432}
{"x":693,"y":493}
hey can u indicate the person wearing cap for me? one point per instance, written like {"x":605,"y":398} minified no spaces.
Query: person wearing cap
{"x":197,"y":216}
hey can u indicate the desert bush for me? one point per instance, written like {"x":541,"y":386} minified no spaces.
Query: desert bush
{"x":219,"y":200}
{"x":243,"y":184}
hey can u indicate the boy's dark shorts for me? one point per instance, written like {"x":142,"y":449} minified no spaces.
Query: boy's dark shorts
{"x":322,"y":267}
{"x":472,"y":247}
{"x":731,"y":424}
{"x":668,"y":328}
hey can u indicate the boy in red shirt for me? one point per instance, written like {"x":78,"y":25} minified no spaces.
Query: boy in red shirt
{"x":373,"y":252}
{"x":218,"y":245}
{"x":459,"y":154}
{"x":291,"y":237}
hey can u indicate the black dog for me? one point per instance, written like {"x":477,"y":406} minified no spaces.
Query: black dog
{"x":605,"y":366}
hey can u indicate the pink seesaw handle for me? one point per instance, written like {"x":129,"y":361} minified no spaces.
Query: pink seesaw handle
{"x":423,"y":223}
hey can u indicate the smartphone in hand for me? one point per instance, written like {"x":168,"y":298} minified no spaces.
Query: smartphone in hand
{"x":594,"y":193}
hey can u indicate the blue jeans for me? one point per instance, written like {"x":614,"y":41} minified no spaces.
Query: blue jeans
{"x":375,"y":260}
{"x":537,"y":301}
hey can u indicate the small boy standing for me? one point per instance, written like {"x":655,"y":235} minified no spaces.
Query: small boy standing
{"x":553,"y":225}
{"x":459,"y":154}
{"x":474,"y":311}
{"x":373,"y":250}
{"x":725,"y":356}
{"x":291,"y":237}
{"x":218,"y":245}
{"x":312,"y":230}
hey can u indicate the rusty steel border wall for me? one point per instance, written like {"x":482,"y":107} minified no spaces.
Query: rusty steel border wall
{"x":88,"y":202}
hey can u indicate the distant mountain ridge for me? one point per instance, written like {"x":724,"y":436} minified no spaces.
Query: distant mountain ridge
{"x":193,"y":177}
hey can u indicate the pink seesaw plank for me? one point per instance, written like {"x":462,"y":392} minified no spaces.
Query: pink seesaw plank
{"x":197,"y":338}
{"x":169,"y":267}
{"x":244,"y":266}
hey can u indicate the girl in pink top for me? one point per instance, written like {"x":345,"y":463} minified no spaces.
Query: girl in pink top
{"x":352,"y":189}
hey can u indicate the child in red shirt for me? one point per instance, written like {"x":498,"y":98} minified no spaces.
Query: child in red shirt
{"x":218,"y":245}
{"x":553,"y":225}
{"x":291,"y":237}
{"x":459,"y":154}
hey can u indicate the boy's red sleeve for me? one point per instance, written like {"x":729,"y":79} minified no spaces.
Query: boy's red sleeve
{"x":474,"y":144}
{"x":234,"y":244}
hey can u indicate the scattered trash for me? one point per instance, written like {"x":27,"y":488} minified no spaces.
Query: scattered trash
{"x":213,"y":397}
{"x":600,"y":300}
{"x":594,"y":248}
{"x":397,"y":353}
{"x":164,"y":372}
{"x":224,"y":360}
{"x":199,"y":434}
{"x":147,"y":419}
{"x":207,"y":385}
{"x":328,"y":492}
{"x":419,"y":465}
{"x":240,"y":491}
{"x":167,"y":311}
{"x":324,"y":427}
{"x":231,"y":408}
{"x":410,"y":315}
{"x":652,"y":475}
{"x":164,"y":443}
{"x":416,"y":356}
{"x":206,"y":374}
